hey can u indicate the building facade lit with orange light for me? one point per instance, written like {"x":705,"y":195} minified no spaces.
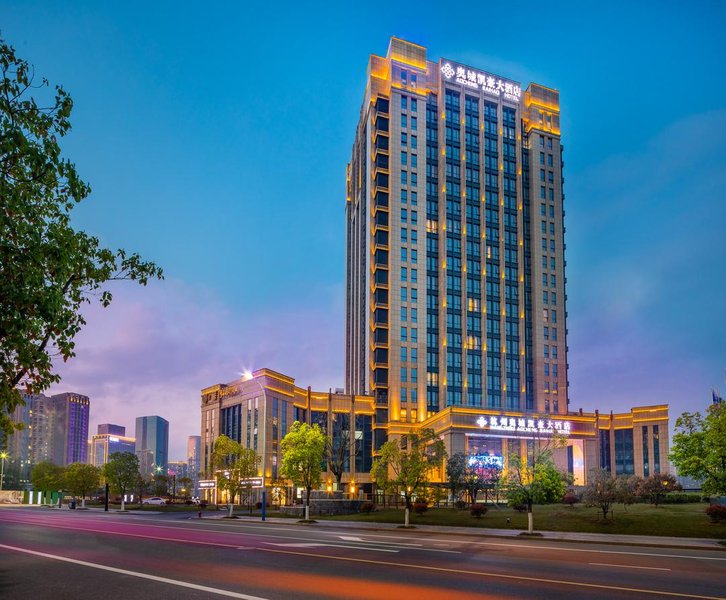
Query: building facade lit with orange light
{"x":455,"y":288}
{"x":258,"y":411}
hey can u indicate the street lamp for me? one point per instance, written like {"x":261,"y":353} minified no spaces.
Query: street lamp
{"x":3,"y":456}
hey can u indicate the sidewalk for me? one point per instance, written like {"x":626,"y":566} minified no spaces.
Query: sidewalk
{"x":566,"y":536}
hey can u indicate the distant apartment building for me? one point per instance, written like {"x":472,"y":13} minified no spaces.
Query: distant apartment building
{"x":152,"y":444}
{"x":108,"y":440}
{"x":54,"y":429}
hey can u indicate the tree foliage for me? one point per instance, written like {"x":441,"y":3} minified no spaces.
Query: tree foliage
{"x":601,"y":490}
{"x":234,"y":465}
{"x":303,"y":449}
{"x":535,"y":479}
{"x":81,"y":479}
{"x":46,"y":476}
{"x":699,"y":448}
{"x":657,"y":486}
{"x":121,"y":472}
{"x":337,"y":447}
{"x":48,"y":270}
{"x":456,"y":474}
{"x":410,"y":463}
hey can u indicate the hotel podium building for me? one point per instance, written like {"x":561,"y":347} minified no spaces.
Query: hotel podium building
{"x":455,"y":282}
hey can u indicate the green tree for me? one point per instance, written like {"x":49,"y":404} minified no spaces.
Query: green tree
{"x":337,"y":447}
{"x":46,"y":476}
{"x":456,"y":474}
{"x":626,"y":489}
{"x":601,"y":490}
{"x":699,"y":448}
{"x":411,"y":462}
{"x":303,"y":449}
{"x":534,"y":479}
{"x":186,"y":487}
{"x":235,"y":466}
{"x":121,"y":472}
{"x":81,"y":479}
{"x":48,"y":270}
{"x":657,"y":486}
{"x":141,"y":486}
{"x":160,"y":485}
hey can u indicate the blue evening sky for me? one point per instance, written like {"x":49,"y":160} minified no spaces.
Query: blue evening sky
{"x":215,"y":138}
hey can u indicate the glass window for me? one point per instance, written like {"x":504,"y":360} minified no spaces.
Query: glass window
{"x":404,"y":102}
{"x":414,"y":142}
{"x":414,"y":122}
{"x":404,"y":254}
{"x":404,"y":121}
{"x":404,"y":334}
{"x":404,"y":139}
{"x":404,"y":158}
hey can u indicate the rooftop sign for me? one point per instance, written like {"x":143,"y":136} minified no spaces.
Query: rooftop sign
{"x":480,"y":80}
{"x":524,"y":425}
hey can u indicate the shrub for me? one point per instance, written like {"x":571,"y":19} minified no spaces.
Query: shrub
{"x":570,"y":498}
{"x":202,"y":505}
{"x":366,"y":507}
{"x":460,"y":504}
{"x":717,"y":513}
{"x":478,"y":510}
{"x":258,"y":505}
{"x":519,"y":507}
{"x":420,"y":507}
{"x":681,"y":498}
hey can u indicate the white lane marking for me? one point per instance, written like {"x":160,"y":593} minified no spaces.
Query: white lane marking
{"x":324,"y":545}
{"x":536,"y":546}
{"x":630,"y":566}
{"x":351,"y":538}
{"x":641,"y":591}
{"x":185,"y":584}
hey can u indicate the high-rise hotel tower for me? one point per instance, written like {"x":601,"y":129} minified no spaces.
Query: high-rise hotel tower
{"x":455,"y":243}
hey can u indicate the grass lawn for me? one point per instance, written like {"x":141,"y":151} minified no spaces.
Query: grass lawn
{"x":685,"y":520}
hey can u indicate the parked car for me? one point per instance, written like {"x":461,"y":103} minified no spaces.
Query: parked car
{"x":155,"y":500}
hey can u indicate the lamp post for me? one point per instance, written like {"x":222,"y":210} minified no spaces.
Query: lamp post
{"x":3,"y":456}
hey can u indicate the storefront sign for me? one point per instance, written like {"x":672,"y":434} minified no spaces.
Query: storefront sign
{"x":255,"y":482}
{"x":524,"y":425}
{"x":478,"y":80}
{"x":207,"y":484}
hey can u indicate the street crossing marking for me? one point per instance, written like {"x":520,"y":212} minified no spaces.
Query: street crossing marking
{"x":329,"y":545}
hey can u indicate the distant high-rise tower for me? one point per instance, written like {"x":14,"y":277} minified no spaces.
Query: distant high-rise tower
{"x":152,"y":444}
{"x":455,"y":279}
{"x":69,"y":421}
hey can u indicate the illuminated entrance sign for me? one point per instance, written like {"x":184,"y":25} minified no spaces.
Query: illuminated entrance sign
{"x":255,"y":482}
{"x":207,"y":484}
{"x":523,"y":425}
{"x":485,"y":82}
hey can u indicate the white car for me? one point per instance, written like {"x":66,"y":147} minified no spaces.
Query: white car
{"x":155,"y":500}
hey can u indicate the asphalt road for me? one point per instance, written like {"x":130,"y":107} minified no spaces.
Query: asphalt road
{"x":57,"y":554}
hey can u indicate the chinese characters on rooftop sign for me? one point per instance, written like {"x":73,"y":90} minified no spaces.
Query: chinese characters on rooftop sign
{"x":524,"y":425}
{"x":489,"y":84}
